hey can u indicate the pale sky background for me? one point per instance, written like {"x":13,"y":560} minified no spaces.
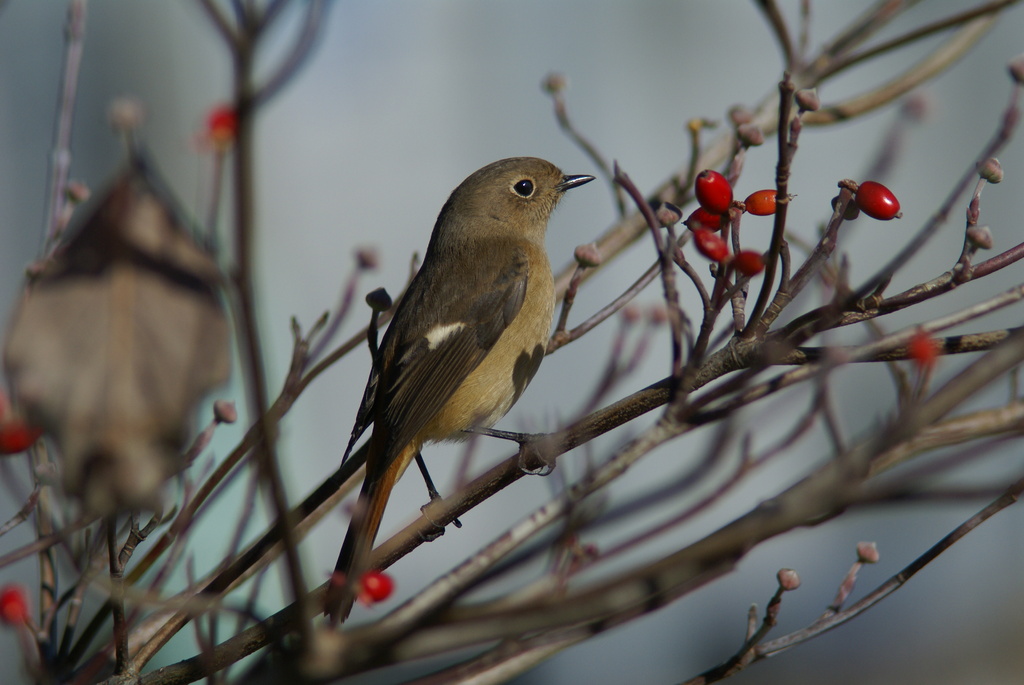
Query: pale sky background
{"x":399,"y":103}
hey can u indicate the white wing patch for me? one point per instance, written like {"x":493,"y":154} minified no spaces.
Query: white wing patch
{"x":438,"y":334}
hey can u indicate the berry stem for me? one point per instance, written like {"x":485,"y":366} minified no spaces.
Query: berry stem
{"x":787,"y":149}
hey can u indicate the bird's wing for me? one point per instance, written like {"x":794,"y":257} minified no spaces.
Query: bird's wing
{"x":364,"y":416}
{"x":429,"y":366}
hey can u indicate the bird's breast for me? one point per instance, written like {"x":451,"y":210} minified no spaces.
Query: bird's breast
{"x":493,"y":387}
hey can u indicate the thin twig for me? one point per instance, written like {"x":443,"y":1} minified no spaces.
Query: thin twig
{"x":305,"y":41}
{"x":664,"y":247}
{"x":834,"y":620}
{"x":244,"y":205}
{"x":787,"y":148}
{"x":219,"y":21}
{"x":932,"y":65}
{"x":60,"y":164}
{"x":22,"y":514}
{"x":556,"y":86}
{"x":1011,"y":117}
{"x":117,"y":599}
{"x":870,"y":22}
{"x":909,"y":37}
{"x":778,"y":24}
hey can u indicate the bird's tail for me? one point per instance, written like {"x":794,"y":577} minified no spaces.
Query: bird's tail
{"x":354,"y":558}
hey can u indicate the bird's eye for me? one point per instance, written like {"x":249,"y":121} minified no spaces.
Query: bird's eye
{"x":523,"y":188}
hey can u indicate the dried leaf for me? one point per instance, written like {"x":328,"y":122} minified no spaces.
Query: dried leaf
{"x":114,"y":342}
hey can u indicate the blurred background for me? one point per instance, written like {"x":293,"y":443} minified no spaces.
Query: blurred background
{"x":402,"y":100}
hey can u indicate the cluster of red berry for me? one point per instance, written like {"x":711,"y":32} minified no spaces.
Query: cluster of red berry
{"x":714,"y":194}
{"x":715,"y":197}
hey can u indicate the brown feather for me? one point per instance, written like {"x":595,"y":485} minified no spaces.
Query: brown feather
{"x":466,"y":338}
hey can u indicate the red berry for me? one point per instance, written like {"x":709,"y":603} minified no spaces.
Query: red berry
{"x":761,"y":202}
{"x":877,"y":201}
{"x":748,"y":262}
{"x":711,"y":245}
{"x":376,"y":586}
{"x":221,"y":125}
{"x":923,"y":349}
{"x":13,"y":605}
{"x":713,"y":192}
{"x":17,"y":436}
{"x":702,"y":218}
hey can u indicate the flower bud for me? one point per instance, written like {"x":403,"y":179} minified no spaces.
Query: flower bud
{"x":1016,"y":67}
{"x":554,"y":83}
{"x":77,"y":192}
{"x":807,"y":100}
{"x":379,"y":300}
{"x":224,"y":411}
{"x":126,"y":114}
{"x":867,"y":553}
{"x":991,"y":170}
{"x":695,"y":125}
{"x":852,"y":210}
{"x":915,"y":107}
{"x":657,"y":315}
{"x":750,"y":135}
{"x":738,"y":115}
{"x":788,"y":579}
{"x":668,"y":214}
{"x":980,"y":237}
{"x":587,"y":255}
{"x":630,"y":313}
{"x":366,"y":258}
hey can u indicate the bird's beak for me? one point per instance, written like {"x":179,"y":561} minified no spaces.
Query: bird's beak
{"x":572,"y":182}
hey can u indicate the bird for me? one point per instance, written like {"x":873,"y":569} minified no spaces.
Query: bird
{"x":465,"y":340}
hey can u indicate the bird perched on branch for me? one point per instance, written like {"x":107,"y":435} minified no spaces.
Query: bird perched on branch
{"x":465,"y":341}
